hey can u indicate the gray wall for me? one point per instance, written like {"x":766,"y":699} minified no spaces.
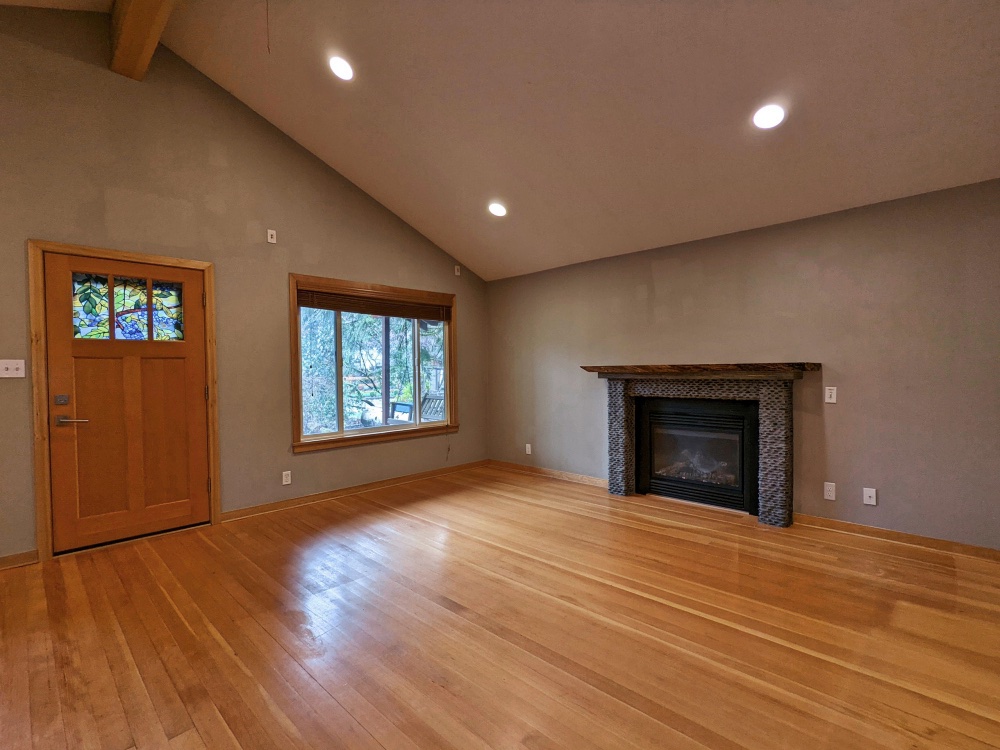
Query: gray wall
{"x":176,"y":166}
{"x":899,"y":301}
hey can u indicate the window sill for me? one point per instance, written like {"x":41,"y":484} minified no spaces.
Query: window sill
{"x":344,"y":441}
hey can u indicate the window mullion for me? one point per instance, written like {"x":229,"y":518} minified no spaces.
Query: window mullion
{"x":386,"y":359}
{"x":340,"y":376}
{"x":416,"y":372}
{"x":445,"y":340}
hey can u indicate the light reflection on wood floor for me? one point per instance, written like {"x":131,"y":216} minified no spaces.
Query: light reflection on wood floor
{"x":492,"y":609}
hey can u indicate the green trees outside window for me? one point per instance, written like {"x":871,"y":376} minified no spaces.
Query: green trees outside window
{"x":376,"y":365}
{"x":318,"y":343}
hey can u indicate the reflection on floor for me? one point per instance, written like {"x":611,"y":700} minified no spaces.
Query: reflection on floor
{"x":492,"y":609}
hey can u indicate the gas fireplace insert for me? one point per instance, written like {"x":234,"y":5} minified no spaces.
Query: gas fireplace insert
{"x":703,"y":450}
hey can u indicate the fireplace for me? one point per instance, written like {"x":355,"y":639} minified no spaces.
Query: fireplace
{"x":702,"y":450}
{"x":768,"y":385}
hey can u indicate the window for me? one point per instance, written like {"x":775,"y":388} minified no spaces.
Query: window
{"x":369,"y":363}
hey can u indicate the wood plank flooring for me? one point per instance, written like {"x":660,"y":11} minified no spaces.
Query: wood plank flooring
{"x":493,"y":609}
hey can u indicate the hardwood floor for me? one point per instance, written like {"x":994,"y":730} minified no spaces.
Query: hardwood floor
{"x":492,"y":609}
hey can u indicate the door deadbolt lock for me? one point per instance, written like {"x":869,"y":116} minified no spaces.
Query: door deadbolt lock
{"x":62,"y":400}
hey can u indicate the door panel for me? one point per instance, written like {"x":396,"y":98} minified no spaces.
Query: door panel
{"x":100,"y":443}
{"x":126,"y":349}
{"x":166,"y":444}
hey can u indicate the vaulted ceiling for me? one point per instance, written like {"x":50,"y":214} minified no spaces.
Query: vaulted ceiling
{"x":617,"y":126}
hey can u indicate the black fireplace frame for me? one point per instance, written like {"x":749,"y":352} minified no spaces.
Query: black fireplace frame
{"x":729,"y":416}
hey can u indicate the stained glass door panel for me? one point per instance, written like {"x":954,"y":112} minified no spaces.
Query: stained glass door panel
{"x":131,"y":309}
{"x":168,"y":311}
{"x":91,"y":317}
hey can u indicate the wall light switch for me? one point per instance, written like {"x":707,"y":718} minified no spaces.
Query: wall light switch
{"x":830,"y":394}
{"x":870,"y":496}
{"x":527,"y":448}
{"x":286,"y":477}
{"x":11,"y":368}
{"x":272,"y":236}
{"x":829,"y":491}
{"x":458,"y":270}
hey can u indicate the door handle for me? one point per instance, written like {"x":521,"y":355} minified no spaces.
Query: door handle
{"x":63,"y":421}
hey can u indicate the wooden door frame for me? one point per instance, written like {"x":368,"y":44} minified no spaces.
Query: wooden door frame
{"x":37,"y":250}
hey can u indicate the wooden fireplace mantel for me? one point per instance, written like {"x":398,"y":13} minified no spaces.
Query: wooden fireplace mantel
{"x":741,"y":371}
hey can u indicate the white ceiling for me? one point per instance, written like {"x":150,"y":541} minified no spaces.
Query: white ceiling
{"x":611,"y":127}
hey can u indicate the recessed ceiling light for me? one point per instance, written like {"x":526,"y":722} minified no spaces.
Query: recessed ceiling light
{"x":769,"y":116}
{"x":341,"y":68}
{"x":498,"y":209}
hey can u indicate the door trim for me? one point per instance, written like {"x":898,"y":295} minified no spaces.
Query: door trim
{"x":37,"y":250}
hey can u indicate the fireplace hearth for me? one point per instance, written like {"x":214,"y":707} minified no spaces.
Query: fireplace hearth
{"x":698,"y":449}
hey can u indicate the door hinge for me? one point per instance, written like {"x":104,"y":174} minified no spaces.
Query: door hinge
{"x":206,"y":393}
{"x":204,"y":299}
{"x":210,"y":485}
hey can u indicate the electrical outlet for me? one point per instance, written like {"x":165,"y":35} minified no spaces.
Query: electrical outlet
{"x":830,"y":394}
{"x":11,"y":368}
{"x":458,"y":270}
{"x":272,"y":236}
{"x":829,"y":491}
{"x":870,"y":496}
{"x":286,"y":477}
{"x":527,"y":448}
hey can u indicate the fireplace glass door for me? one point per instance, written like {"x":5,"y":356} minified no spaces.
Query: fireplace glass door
{"x":711,"y":457}
{"x":703,"y":450}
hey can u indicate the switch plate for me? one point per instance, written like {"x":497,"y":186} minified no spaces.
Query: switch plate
{"x":286,"y":477}
{"x":830,"y":394}
{"x":11,"y":368}
{"x":458,"y":270}
{"x":829,"y":491}
{"x":870,"y":496}
{"x":272,"y":236}
{"x":527,"y":448}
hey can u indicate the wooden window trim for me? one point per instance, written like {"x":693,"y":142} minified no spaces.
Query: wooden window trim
{"x":369,"y":292}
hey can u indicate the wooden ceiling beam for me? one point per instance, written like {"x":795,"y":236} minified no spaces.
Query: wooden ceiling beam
{"x":136,"y":27}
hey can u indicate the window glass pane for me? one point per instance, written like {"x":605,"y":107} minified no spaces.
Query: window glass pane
{"x":318,"y":348}
{"x":432,"y":379}
{"x":168,"y":311}
{"x":90,"y":306}
{"x":361,"y":339}
{"x":401,"y":371}
{"x":131,"y":313}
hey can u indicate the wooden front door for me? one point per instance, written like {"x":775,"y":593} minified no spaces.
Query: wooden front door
{"x":127,"y":394}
